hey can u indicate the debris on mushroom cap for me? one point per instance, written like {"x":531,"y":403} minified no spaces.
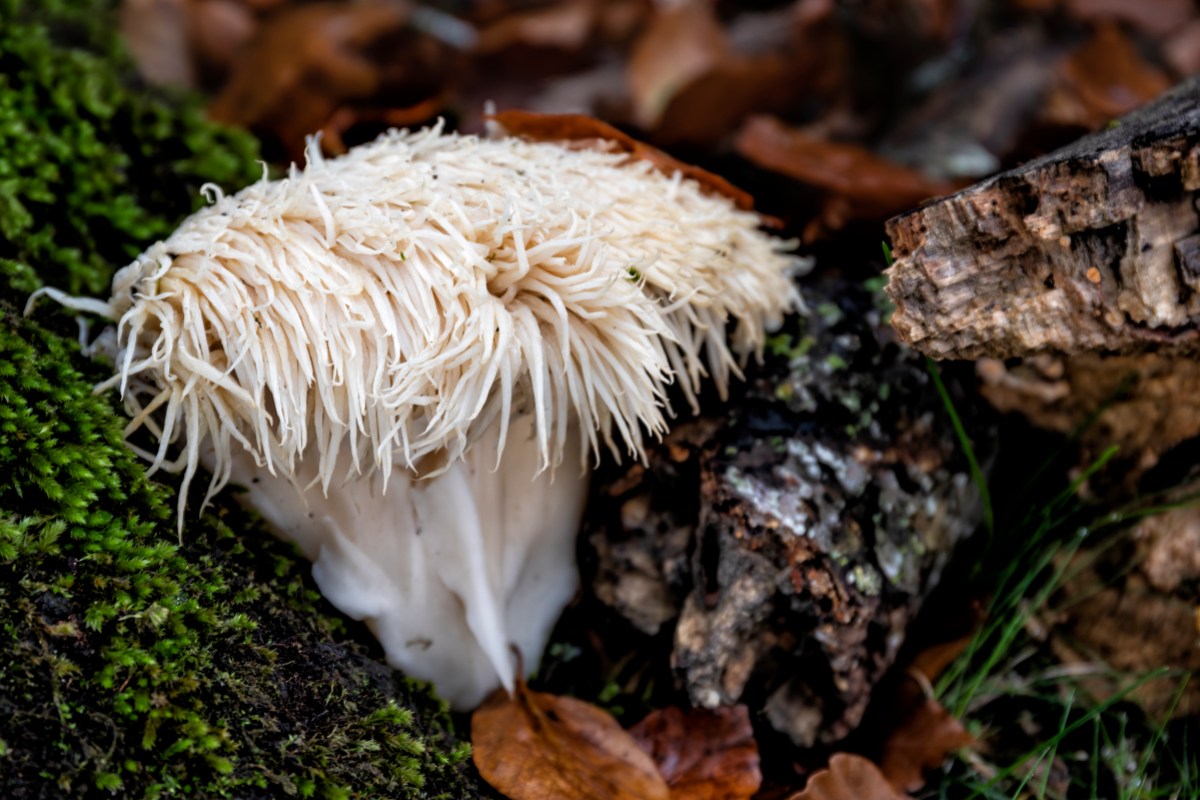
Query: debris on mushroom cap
{"x":417,"y":296}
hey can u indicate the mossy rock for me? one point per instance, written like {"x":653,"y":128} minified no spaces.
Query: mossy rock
{"x":132,"y":665}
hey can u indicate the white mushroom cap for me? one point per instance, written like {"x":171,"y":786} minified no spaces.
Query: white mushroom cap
{"x":395,"y":306}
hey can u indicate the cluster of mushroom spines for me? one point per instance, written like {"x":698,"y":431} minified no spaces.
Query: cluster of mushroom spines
{"x":399,"y":299}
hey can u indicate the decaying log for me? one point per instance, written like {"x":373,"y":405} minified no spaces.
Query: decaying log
{"x":790,"y":542}
{"x":1093,"y":247}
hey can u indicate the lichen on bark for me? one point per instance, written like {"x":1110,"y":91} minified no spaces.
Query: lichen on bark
{"x":130,"y":665}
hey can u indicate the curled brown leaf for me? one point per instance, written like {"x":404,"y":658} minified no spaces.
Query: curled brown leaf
{"x":537,"y":746}
{"x":849,"y":777}
{"x":860,"y":184}
{"x":922,"y":743}
{"x":702,"y":754}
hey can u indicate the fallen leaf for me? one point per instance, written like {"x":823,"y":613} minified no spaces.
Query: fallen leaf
{"x":306,"y":63}
{"x":1156,"y":17}
{"x":682,"y":42}
{"x":693,"y":81}
{"x":1105,"y":78}
{"x":861,"y":185}
{"x":849,"y":777}
{"x":155,"y":31}
{"x":569,"y":25}
{"x":702,"y":754}
{"x":537,"y":746}
{"x":566,"y":25}
{"x":920,"y":743}
{"x":588,"y":131}
{"x":218,"y":30}
{"x":1182,"y":48}
{"x":933,"y":660}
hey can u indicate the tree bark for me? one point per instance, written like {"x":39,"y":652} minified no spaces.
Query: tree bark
{"x":1093,"y":247}
{"x":791,"y":540}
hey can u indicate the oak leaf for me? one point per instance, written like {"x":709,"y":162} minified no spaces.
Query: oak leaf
{"x":702,"y":754}
{"x":537,"y":746}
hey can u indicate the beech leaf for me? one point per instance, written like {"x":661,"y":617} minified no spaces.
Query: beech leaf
{"x":537,"y":746}
{"x":704,"y":755}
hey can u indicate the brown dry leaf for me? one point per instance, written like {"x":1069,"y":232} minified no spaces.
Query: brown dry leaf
{"x":569,"y":25}
{"x":933,"y":660}
{"x":566,"y":25}
{"x":1156,"y":17}
{"x":218,"y":30}
{"x":155,"y":31}
{"x":1102,"y":80}
{"x":849,"y":777}
{"x":304,"y":64}
{"x":703,"y":755}
{"x":922,"y":742}
{"x":537,"y":746}
{"x":588,"y":131}
{"x":692,"y":81}
{"x":681,"y":43}
{"x":861,"y":184}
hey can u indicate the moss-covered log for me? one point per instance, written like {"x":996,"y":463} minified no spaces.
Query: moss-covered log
{"x":130,"y":665}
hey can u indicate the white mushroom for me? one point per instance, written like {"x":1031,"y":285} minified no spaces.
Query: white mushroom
{"x":409,"y":355}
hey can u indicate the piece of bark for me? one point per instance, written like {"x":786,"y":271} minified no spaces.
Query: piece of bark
{"x":791,"y":540}
{"x":1093,"y":247}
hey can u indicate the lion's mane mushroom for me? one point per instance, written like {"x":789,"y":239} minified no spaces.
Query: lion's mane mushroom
{"x":409,"y":354}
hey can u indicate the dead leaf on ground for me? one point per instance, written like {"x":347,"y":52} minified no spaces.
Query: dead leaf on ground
{"x":537,"y":746}
{"x":155,"y":31}
{"x":570,"y":25}
{"x":589,"y":131}
{"x":217,"y":31}
{"x":861,"y":184}
{"x":693,"y":80}
{"x":702,"y":754}
{"x":921,"y":743}
{"x":681,"y":43}
{"x":849,"y":777}
{"x":306,"y":63}
{"x":932,"y":661}
{"x":1156,"y":17}
{"x":1104,"y":79}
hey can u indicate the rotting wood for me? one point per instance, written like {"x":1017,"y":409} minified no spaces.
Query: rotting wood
{"x":1093,"y":247}
{"x":790,"y":542}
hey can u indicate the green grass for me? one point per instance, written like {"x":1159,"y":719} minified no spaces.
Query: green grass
{"x":1042,"y":732}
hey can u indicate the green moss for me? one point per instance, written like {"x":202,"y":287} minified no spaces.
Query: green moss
{"x":93,"y":166}
{"x":132,"y":666}
{"x":154,"y":670}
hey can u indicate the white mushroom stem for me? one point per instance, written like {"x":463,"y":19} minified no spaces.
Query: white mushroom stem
{"x":449,"y":571}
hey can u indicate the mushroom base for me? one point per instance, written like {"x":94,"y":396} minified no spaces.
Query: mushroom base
{"x":448,"y":572}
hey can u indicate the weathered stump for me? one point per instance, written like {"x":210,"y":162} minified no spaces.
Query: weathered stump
{"x":790,"y":541}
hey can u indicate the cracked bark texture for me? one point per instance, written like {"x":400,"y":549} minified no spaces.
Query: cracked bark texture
{"x":1093,"y":247}
{"x":790,"y":541}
